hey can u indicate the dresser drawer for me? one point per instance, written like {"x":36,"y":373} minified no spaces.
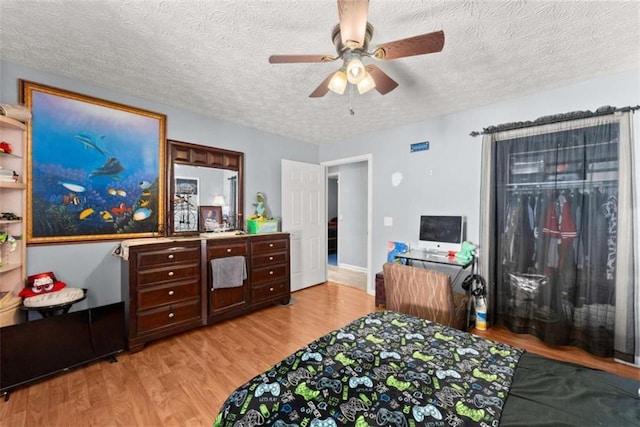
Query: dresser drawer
{"x":273,"y":245}
{"x":267,"y":274}
{"x":171,"y":273}
{"x":168,"y":255}
{"x":171,"y":293}
{"x":269,"y":259}
{"x":224,"y":250}
{"x":168,"y":315}
{"x":268,"y":291}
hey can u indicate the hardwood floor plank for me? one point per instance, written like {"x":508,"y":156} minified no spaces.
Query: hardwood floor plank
{"x":183,"y":380}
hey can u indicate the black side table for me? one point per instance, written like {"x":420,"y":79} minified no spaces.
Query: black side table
{"x":54,"y":310}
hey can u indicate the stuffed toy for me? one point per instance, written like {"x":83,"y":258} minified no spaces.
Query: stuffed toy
{"x":5,"y":147}
{"x":261,"y":209}
{"x":466,"y":253}
{"x":42,"y":283}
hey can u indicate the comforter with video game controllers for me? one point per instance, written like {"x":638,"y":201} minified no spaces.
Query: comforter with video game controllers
{"x":385,"y":368}
{"x":391,"y":369}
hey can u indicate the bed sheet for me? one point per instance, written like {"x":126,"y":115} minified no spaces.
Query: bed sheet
{"x":385,"y":368}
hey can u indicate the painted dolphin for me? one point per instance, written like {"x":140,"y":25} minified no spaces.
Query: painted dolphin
{"x":91,"y":140}
{"x":111,"y":167}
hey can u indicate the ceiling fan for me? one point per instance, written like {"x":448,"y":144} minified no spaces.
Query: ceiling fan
{"x":351,"y":38}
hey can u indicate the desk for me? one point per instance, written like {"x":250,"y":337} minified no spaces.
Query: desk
{"x":415,"y":256}
{"x":421,"y":257}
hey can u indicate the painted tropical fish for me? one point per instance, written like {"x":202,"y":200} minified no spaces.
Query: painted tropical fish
{"x":111,"y":168}
{"x":106,"y":216}
{"x":144,"y":203}
{"x":72,"y":186}
{"x":72,"y":199}
{"x":91,"y":140}
{"x":121,"y":193}
{"x":119,"y":210}
{"x":144,"y":184}
{"x":112,"y":191}
{"x":141,"y":214}
{"x":86,"y":213}
{"x":146,"y":193}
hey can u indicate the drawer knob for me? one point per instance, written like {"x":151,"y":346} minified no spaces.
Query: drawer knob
{"x":270,"y":289}
{"x":229,"y":250}
{"x":170,"y":273}
{"x":270,"y":245}
{"x":171,"y":315}
{"x":271,"y":272}
{"x":171,"y":292}
{"x":170,"y":256}
{"x":270,"y":258}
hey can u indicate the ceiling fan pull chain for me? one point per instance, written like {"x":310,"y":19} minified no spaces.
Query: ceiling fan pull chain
{"x":351,"y":101}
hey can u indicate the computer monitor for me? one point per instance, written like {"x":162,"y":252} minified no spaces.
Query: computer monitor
{"x":442,"y":233}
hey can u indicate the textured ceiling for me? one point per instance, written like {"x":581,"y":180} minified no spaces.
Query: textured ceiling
{"x":211,"y":56}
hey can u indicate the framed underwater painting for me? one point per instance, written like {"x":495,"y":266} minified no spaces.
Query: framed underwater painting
{"x":96,"y":168}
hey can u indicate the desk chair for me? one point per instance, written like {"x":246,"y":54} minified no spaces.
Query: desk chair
{"x":424,"y":293}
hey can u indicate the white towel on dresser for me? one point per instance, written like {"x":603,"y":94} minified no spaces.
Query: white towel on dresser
{"x":228,"y":272}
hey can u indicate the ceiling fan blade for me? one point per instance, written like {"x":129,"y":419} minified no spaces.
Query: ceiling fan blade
{"x":384,"y":83}
{"x":353,"y":22}
{"x":323,"y":88}
{"x":418,"y":45}
{"x":291,"y":59}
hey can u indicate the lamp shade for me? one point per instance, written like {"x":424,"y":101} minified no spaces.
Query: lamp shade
{"x":355,"y":70}
{"x":219,"y":200}
{"x":366,"y":84}
{"x":338,"y":82}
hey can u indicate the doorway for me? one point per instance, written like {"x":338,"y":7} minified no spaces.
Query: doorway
{"x":349,"y":205}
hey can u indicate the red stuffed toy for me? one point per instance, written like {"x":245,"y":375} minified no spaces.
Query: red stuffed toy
{"x":42,"y":283}
{"x":5,"y":147}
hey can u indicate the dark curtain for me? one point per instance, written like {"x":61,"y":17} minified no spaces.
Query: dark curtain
{"x":555,"y":209}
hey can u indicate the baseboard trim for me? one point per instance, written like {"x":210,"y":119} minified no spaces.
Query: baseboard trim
{"x":353,"y":267}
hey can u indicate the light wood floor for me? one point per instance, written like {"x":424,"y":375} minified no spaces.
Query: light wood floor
{"x":182,"y":381}
{"x":347,"y":277}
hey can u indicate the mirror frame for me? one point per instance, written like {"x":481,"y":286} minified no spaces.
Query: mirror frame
{"x":186,"y":153}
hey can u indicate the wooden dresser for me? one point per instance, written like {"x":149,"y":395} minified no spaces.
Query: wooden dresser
{"x":161,"y":289}
{"x":168,"y":286}
{"x":268,"y":279}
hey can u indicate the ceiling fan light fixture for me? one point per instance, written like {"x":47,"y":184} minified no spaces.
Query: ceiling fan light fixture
{"x":338,"y":82}
{"x":366,"y":84}
{"x":355,"y":70}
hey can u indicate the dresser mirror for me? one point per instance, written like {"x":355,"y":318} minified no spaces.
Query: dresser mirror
{"x":206,"y":189}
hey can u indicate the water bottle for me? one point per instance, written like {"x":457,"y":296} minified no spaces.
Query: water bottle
{"x":481,"y":314}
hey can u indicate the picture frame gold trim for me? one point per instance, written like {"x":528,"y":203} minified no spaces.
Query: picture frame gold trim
{"x":100,"y":168}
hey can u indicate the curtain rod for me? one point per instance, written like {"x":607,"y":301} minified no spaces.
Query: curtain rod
{"x":556,"y":118}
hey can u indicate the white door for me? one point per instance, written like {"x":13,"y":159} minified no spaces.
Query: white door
{"x":303,"y":216}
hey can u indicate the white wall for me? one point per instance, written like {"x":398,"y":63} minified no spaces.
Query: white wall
{"x":91,"y":265}
{"x":446,"y":178}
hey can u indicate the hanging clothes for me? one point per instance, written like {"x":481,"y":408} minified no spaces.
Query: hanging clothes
{"x":559,"y":226}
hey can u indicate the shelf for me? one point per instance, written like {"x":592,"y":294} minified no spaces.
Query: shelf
{"x":9,"y":267}
{"x":563,"y":185}
{"x":6,"y":122}
{"x":13,"y":185}
{"x":6,"y":221}
{"x":13,"y":156}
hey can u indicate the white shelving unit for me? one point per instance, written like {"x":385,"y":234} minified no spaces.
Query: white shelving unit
{"x":13,"y":199}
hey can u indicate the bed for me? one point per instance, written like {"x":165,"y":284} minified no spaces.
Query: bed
{"x":393,"y":369}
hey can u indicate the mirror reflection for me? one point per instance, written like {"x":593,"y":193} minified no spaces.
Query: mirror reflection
{"x":205,"y":188}
{"x":207,"y":191}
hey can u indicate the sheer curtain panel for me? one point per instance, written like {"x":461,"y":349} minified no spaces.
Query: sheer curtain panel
{"x":557,"y":233}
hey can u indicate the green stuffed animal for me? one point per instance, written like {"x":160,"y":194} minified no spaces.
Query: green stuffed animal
{"x":466,"y":254}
